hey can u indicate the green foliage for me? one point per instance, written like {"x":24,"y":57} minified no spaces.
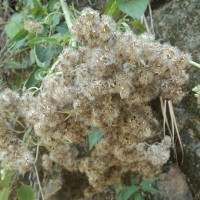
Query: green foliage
{"x":5,"y":180}
{"x":4,"y":194}
{"x":112,"y":8}
{"x":14,"y":26}
{"x":124,"y":192}
{"x":94,"y":137}
{"x":38,"y":34}
{"x":134,"y":8}
{"x":25,"y":192}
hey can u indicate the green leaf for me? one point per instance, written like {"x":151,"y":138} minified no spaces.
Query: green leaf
{"x":112,"y":8}
{"x":44,"y":55}
{"x":26,"y":134}
{"x":38,"y":51}
{"x":32,"y":57}
{"x":134,"y":8}
{"x":137,"y":24}
{"x":94,"y":137}
{"x":31,"y":81}
{"x":19,"y":43}
{"x":56,"y":19}
{"x":137,"y":196}
{"x":5,"y":181}
{"x":147,"y":188}
{"x":148,"y":182}
{"x":19,"y":35}
{"x":118,"y":187}
{"x":25,"y":192}
{"x":51,"y":5}
{"x":4,"y":193}
{"x":17,"y":65}
{"x":62,"y":28}
{"x":134,"y":180}
{"x":127,"y":192}
{"x":36,"y":6}
{"x":14,"y":25}
{"x":37,"y":40}
{"x":40,"y":74}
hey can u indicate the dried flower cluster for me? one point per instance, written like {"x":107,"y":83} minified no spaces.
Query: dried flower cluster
{"x":108,"y":83}
{"x":35,"y":27}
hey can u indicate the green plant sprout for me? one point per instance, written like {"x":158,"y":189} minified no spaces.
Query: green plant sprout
{"x":125,"y":192}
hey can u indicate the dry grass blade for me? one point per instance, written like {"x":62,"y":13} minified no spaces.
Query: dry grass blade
{"x":151,"y":19}
{"x":143,"y":20}
{"x":173,"y":118}
{"x":164,"y":109}
{"x":174,"y":128}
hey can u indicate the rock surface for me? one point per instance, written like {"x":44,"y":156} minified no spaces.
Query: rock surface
{"x":178,"y":22}
{"x":173,"y":186}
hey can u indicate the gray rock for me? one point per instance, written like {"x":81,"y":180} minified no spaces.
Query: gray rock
{"x":173,"y":186}
{"x":178,"y":23}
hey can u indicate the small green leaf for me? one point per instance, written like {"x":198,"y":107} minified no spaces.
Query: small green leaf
{"x":32,"y":57}
{"x":40,"y":74}
{"x":127,"y":192}
{"x":62,"y":28}
{"x":134,"y":8}
{"x":112,"y":8}
{"x":37,"y":40}
{"x":4,"y":193}
{"x":5,"y":182}
{"x":14,"y":25}
{"x":39,"y":52}
{"x":25,"y":192}
{"x":138,"y":25}
{"x":148,"y":182}
{"x":134,"y":180}
{"x":26,"y":134}
{"x":44,"y":55}
{"x":56,"y":19}
{"x":15,"y":65}
{"x":137,"y":196}
{"x":36,"y":7}
{"x":31,"y":81}
{"x":19,"y":36}
{"x":148,"y":188}
{"x":94,"y":137}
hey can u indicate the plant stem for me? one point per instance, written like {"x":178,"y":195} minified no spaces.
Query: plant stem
{"x":66,"y":12}
{"x":38,"y":180}
{"x":54,"y":66}
{"x":194,"y":63}
{"x":36,"y":171}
